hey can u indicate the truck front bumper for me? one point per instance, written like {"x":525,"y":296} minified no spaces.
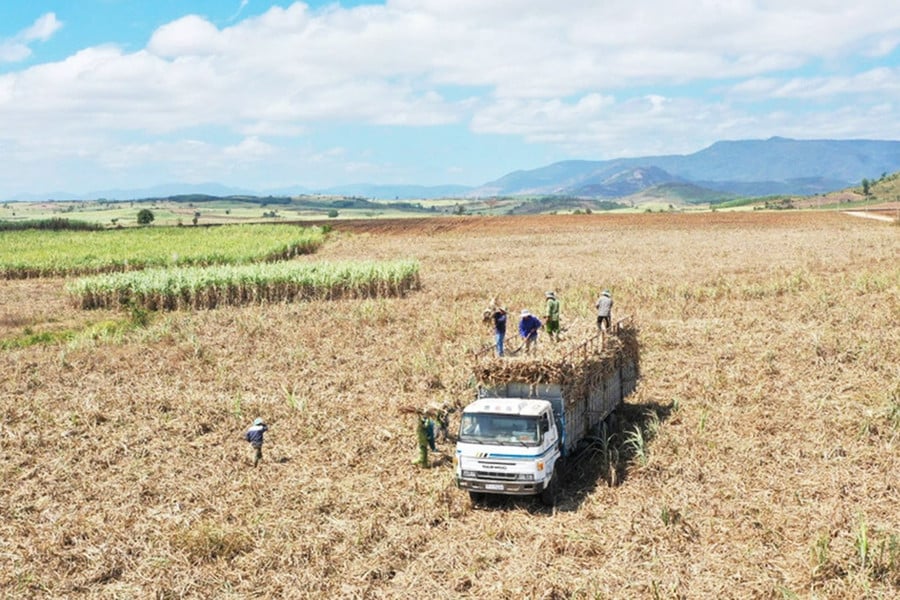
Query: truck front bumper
{"x":511,"y":488}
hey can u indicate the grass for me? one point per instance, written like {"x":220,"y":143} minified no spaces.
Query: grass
{"x":125,"y":473}
{"x":637,"y":443}
{"x":55,"y":224}
{"x":108,"y":329}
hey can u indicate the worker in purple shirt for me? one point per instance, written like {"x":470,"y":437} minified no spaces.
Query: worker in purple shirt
{"x":529,"y":325}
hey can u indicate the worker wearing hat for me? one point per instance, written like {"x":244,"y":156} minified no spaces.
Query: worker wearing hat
{"x":604,"y":310}
{"x":528,"y":329}
{"x":551,"y":316}
{"x":254,"y":435}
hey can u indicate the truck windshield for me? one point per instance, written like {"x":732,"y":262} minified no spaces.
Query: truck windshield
{"x":486,"y":428}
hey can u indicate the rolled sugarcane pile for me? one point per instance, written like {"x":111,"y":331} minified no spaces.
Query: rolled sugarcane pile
{"x":578,"y":368}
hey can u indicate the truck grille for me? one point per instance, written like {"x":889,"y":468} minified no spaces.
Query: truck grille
{"x":495,"y":476}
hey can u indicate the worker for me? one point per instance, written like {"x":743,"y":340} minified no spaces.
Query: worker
{"x":442,"y":420}
{"x":424,"y":437}
{"x":496,"y":315}
{"x":604,"y":310}
{"x":528,"y":329}
{"x":254,"y":435}
{"x":552,"y":316}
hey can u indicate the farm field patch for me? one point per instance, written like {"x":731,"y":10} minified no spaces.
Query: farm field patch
{"x":222,"y":285}
{"x":769,"y":404}
{"x":34,"y":253}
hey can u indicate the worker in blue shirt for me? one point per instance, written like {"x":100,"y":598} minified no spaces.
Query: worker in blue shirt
{"x":254,"y":435}
{"x":529,"y":325}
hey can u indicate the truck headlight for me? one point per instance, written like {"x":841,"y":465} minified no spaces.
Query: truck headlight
{"x":469,"y":474}
{"x":525,"y":477}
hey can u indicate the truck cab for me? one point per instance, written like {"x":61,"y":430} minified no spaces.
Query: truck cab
{"x":508,"y":446}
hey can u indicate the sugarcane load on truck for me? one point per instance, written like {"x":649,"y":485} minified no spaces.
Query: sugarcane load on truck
{"x":532,"y":412}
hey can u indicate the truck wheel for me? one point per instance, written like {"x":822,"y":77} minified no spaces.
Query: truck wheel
{"x":550,"y":493}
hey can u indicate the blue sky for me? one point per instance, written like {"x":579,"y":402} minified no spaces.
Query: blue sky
{"x":263,"y":95}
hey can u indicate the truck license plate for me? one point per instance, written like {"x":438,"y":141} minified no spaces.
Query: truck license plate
{"x":497,"y":487}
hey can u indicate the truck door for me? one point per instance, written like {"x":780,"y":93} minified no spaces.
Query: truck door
{"x":548,"y":433}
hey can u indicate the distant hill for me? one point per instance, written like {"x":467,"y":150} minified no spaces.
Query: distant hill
{"x":624,"y":182}
{"x":170,"y":190}
{"x":749,"y":167}
{"x":678,"y":193}
{"x":157,"y":191}
{"x":395,"y":192}
{"x":302,"y":201}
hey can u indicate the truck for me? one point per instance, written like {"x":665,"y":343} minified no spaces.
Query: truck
{"x":531,"y":414}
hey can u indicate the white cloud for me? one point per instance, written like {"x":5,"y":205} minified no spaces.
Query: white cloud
{"x":874,"y":81}
{"x":251,"y":148}
{"x":11,"y":51}
{"x":239,"y":10}
{"x":188,"y":36}
{"x":42,"y":29}
{"x":17,"y":48}
{"x":590,"y":78}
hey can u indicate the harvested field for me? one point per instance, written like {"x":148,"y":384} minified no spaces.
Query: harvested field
{"x":770,"y":393}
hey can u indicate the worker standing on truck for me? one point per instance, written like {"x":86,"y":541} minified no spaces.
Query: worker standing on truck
{"x":496,"y":315}
{"x":604,"y":310}
{"x":528,"y":329}
{"x":254,"y":435}
{"x":552,"y":316}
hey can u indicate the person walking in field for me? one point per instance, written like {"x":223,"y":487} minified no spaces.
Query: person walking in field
{"x":255,"y":435}
{"x":552,"y":316}
{"x":496,"y":314}
{"x":604,"y":310}
{"x":529,"y":325}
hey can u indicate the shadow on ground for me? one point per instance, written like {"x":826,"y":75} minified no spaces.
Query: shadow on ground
{"x":604,"y":459}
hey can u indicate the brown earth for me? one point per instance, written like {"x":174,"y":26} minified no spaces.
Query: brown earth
{"x":769,"y":408}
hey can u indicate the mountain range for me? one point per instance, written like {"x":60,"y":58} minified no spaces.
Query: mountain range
{"x":736,"y":168}
{"x":726,"y":169}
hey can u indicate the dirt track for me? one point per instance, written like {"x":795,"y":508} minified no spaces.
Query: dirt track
{"x":881,"y":215}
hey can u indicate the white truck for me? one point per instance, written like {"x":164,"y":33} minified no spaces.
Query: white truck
{"x":531,"y":415}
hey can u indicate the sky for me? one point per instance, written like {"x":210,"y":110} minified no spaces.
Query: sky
{"x":264,"y":95}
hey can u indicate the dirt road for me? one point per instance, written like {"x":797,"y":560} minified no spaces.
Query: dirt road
{"x":880,"y":216}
